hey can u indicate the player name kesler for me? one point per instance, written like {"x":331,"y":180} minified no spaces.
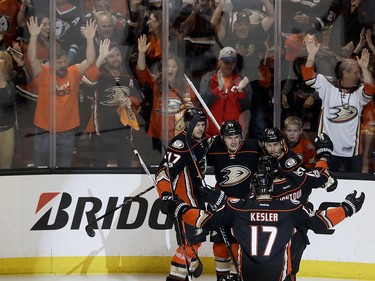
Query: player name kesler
{"x":259,"y":216}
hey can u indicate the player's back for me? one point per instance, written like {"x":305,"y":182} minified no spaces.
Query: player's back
{"x":263,"y":229}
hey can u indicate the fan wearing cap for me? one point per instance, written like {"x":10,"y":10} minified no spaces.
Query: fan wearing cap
{"x":226,"y":93}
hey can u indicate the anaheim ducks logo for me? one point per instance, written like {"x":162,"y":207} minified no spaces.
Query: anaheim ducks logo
{"x":234,"y":174}
{"x":173,"y":106}
{"x":4,"y":23}
{"x":117,"y":94}
{"x":340,"y":114}
{"x":61,"y":27}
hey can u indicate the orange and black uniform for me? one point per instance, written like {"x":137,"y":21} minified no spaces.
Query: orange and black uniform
{"x":298,"y":185}
{"x":182,"y":176}
{"x":263,"y":229}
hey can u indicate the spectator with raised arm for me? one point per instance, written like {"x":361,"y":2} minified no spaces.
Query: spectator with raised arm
{"x":342,"y":104}
{"x":116,"y":99}
{"x":180,"y":95}
{"x":67,"y":85}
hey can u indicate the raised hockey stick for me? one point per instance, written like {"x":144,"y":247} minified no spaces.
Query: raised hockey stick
{"x":189,"y":134}
{"x":199,"y":97}
{"x":90,"y":227}
{"x":182,"y":236}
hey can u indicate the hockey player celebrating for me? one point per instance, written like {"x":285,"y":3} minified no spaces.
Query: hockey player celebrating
{"x":273,"y":144}
{"x":263,"y":226}
{"x":298,"y":185}
{"x":177,"y":175}
{"x":234,"y":160}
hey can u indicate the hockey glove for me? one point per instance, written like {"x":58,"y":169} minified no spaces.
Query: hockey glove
{"x":216,"y":198}
{"x":331,"y":184}
{"x":172,"y":206}
{"x":323,"y":146}
{"x":353,"y":204}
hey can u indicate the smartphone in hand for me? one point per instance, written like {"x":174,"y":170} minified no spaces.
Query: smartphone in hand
{"x":14,"y":51}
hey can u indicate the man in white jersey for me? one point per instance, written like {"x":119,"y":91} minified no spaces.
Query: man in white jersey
{"x":341,"y":104}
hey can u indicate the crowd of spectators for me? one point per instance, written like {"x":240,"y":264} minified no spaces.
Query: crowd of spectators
{"x":225,"y":47}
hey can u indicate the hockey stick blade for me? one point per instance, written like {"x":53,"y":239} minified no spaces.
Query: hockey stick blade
{"x":90,"y":231}
{"x":198,"y":271}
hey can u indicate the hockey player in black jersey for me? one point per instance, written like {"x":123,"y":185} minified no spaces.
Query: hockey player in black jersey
{"x":273,"y":144}
{"x":263,"y":226}
{"x":177,"y":170}
{"x":234,"y":160}
{"x":298,"y":185}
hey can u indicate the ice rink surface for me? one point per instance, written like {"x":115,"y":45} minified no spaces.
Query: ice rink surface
{"x":124,"y":277}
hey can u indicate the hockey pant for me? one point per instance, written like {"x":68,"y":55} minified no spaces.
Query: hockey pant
{"x":223,"y":261}
{"x":178,"y":270}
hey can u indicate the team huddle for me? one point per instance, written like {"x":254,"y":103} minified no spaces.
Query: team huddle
{"x":258,"y":214}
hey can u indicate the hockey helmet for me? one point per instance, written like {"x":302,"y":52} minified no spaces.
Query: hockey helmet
{"x":269,"y":164}
{"x":191,"y":112}
{"x":272,"y":135}
{"x":230,"y":128}
{"x":262,"y":184}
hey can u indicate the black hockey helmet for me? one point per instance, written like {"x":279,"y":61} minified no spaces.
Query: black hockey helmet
{"x":191,"y":112}
{"x":272,"y":135}
{"x":230,"y":128}
{"x":269,"y":164}
{"x":261,"y":184}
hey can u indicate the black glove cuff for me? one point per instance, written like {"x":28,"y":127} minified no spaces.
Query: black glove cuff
{"x":180,"y":210}
{"x":349,"y":208}
{"x":324,"y":152}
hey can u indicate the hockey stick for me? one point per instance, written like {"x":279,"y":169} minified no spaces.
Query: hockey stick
{"x":198,"y":271}
{"x":189,"y":134}
{"x":199,"y":97}
{"x":89,"y":228}
{"x":142,"y":163}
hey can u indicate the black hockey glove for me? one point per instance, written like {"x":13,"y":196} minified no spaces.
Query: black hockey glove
{"x":172,"y":206}
{"x":353,"y":204}
{"x":323,"y":146}
{"x":215,"y":197}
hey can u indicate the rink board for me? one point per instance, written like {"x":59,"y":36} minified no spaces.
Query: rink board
{"x":43,"y":219}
